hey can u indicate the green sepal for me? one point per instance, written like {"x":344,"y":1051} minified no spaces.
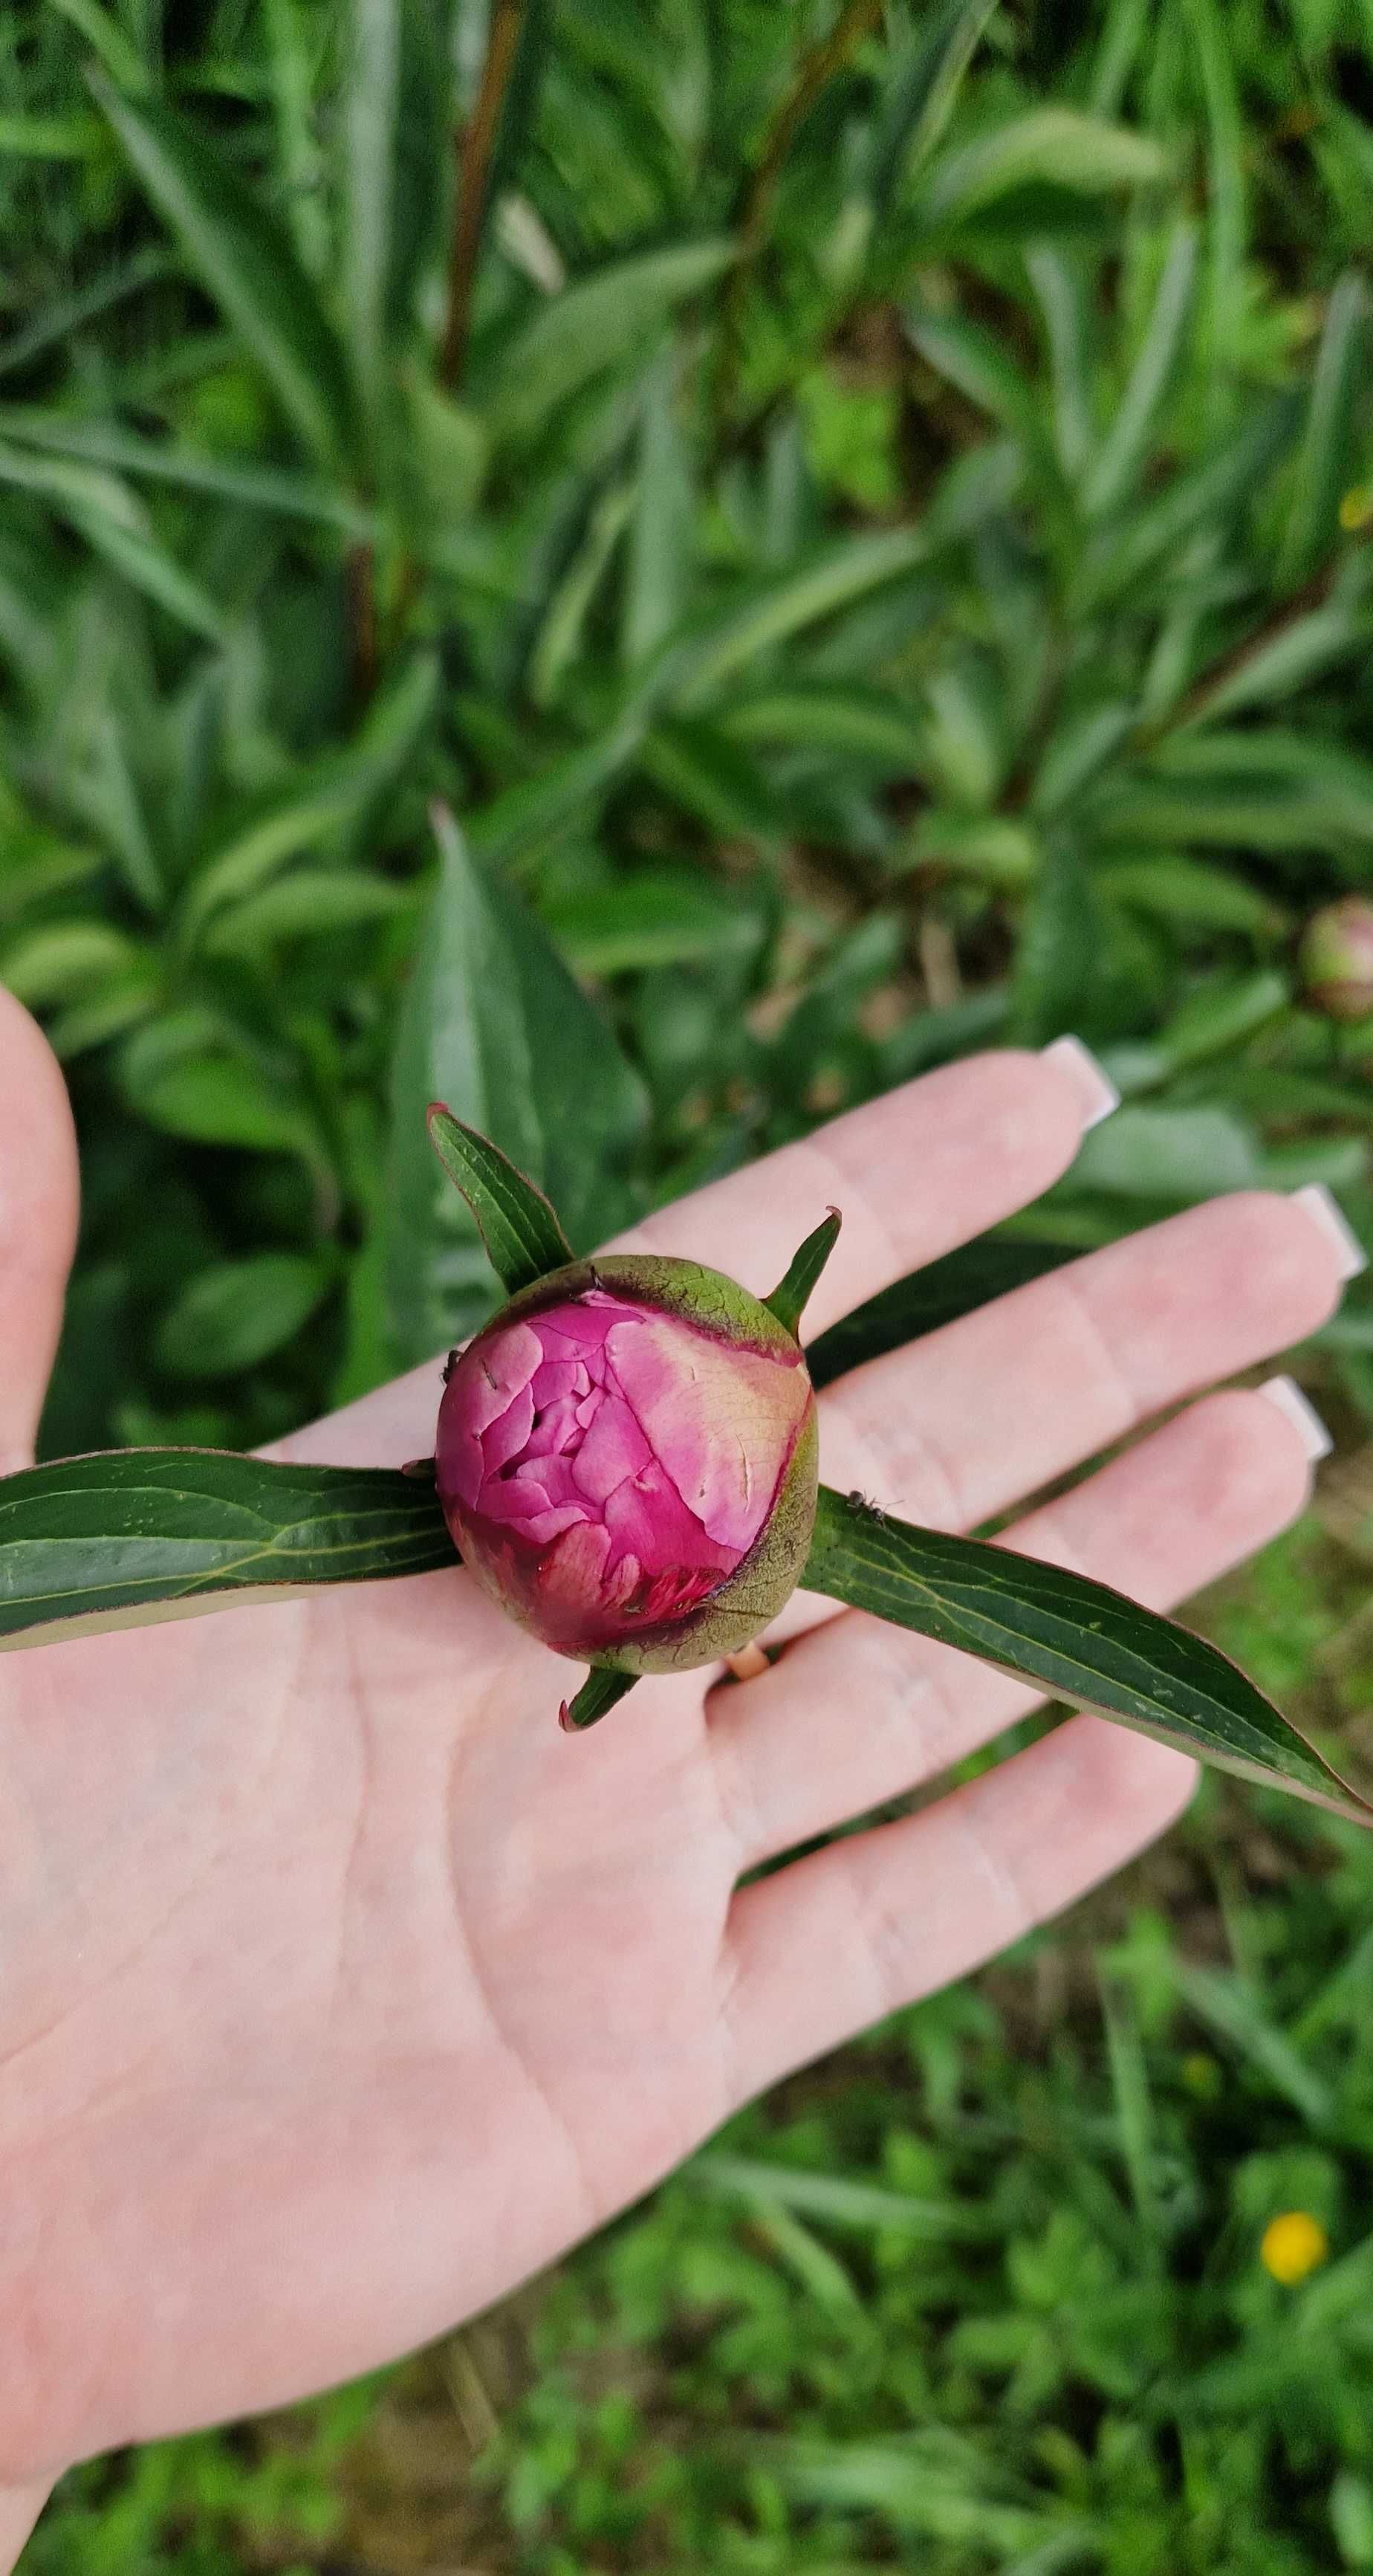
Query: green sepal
{"x":788,"y":1299}
{"x":598,"y":1694}
{"x":522,"y":1235}
{"x":1077,"y":1640}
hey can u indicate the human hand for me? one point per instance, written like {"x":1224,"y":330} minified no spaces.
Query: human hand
{"x":342,"y":1991}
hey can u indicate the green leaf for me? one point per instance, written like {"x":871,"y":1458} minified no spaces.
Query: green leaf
{"x":114,"y":526}
{"x":330,"y":794}
{"x":1224,"y":481}
{"x":598,"y":1694}
{"x":1209,"y":42}
{"x":955,"y":1285}
{"x":798,"y":598}
{"x":244,"y":261}
{"x":277,"y":488}
{"x":314,"y":903}
{"x":921,"y":95}
{"x":62,"y":316}
{"x":872,"y":725}
{"x":1296,"y":654}
{"x":1191,"y":893}
{"x":391,"y":137}
{"x":189,"y":1075}
{"x":597,"y":322}
{"x":518,"y":1226}
{"x":69,"y":957}
{"x":1075,"y":1639}
{"x":664,"y":916}
{"x":1059,"y":284}
{"x":368,"y":137}
{"x":1323,"y":460}
{"x":840,"y":2201}
{"x":660,"y":534}
{"x":121,"y":59}
{"x":94,"y":1542}
{"x":1057,"y":146}
{"x":789,"y":1298}
{"x":1127,"y":444}
{"x":493,"y":1024}
{"x":1169,"y":1153}
{"x":704,"y":772}
{"x":237,"y":1313}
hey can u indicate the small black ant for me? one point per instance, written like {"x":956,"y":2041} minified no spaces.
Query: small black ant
{"x":857,"y":1502}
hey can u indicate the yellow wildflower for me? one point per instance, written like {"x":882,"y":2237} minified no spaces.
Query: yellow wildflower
{"x":1293,"y":2245}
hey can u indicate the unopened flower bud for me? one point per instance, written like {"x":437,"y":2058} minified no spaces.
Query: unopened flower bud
{"x":626,"y":1459}
{"x":1335,"y":959}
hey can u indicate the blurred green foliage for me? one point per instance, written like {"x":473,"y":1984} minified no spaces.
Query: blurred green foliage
{"x":861,"y":514}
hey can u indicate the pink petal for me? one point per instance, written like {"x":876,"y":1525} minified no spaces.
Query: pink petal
{"x":509,"y":1432}
{"x":613,"y":1449}
{"x":721,"y":1420}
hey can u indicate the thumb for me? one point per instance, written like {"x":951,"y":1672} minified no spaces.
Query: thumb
{"x":38,"y":1212}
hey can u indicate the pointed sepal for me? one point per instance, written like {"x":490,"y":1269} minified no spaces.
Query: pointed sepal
{"x":597,"y":1696}
{"x":523,"y":1238}
{"x":789,"y":1298}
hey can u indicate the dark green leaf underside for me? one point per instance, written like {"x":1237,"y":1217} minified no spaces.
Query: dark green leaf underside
{"x":96,"y":1539}
{"x":1075,"y":1639}
{"x":789,"y":1298}
{"x":518,"y":1227}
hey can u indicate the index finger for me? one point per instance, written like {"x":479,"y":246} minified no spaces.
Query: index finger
{"x":913,"y":1173}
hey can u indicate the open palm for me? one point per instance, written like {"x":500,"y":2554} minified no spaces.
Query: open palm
{"x":340,"y":1990}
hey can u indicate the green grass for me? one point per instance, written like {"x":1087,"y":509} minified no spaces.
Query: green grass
{"x":868,"y":536}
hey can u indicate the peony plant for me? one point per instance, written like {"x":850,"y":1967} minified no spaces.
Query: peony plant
{"x":626,"y":1459}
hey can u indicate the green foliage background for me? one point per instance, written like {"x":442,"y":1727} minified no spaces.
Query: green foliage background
{"x":861,"y":515}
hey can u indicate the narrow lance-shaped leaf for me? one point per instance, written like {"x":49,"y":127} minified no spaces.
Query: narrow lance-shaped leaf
{"x":1076,"y":1639}
{"x":599,"y":1693}
{"x":789,"y":1298}
{"x":244,"y":262}
{"x":518,"y":1226}
{"x":101,"y":1541}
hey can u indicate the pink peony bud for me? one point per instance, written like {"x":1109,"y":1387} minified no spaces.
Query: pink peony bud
{"x":1336,"y":959}
{"x":626,"y":1458}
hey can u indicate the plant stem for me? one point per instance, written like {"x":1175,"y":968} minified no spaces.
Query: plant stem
{"x":474,"y":148}
{"x":816,"y":68}
{"x":1313,"y":594}
{"x":362,"y":619}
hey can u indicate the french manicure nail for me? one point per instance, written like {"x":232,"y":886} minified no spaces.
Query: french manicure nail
{"x":1285,"y":1393}
{"x":1325,"y":1211}
{"x":1098,"y":1093}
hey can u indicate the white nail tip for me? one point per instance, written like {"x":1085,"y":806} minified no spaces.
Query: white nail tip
{"x":1098,"y":1092}
{"x":1326,"y":1212}
{"x":1285,"y":1393}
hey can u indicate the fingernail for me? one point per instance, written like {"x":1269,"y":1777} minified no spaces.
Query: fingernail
{"x":1096,"y":1090}
{"x":1325,"y":1211}
{"x":1285,"y":1393}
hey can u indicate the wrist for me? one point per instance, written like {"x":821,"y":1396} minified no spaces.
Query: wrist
{"x":20,"y":2508}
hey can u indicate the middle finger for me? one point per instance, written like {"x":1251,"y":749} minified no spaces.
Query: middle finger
{"x":974,"y":1417}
